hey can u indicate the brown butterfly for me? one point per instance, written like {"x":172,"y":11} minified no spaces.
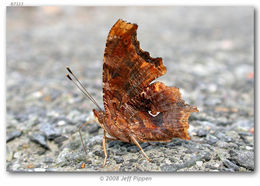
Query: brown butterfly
{"x":136,"y":110}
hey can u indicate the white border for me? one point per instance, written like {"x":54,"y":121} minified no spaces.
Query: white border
{"x":86,"y":179}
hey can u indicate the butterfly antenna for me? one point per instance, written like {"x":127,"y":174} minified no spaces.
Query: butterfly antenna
{"x":81,"y":87}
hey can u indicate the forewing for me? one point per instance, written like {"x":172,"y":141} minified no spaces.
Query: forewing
{"x":127,"y":69}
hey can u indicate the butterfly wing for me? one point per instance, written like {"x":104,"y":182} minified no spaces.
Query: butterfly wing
{"x":157,"y":114}
{"x":127,"y":69}
{"x":130,"y":101}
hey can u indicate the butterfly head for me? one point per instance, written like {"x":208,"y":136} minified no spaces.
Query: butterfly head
{"x":100,"y":116}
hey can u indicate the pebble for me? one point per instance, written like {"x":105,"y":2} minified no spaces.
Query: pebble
{"x":49,"y":131}
{"x":249,"y":148}
{"x":17,"y":155}
{"x":230,"y":165}
{"x":94,"y":140}
{"x":133,"y":149}
{"x":243,"y":158}
{"x":61,"y":123}
{"x":222,"y":144}
{"x":21,"y":117}
{"x":191,"y":160}
{"x":40,"y":139}
{"x":211,"y":139}
{"x":99,"y":153}
{"x":59,"y":140}
{"x":199,"y":163}
{"x":92,"y":128}
{"x":223,"y":137}
{"x":118,"y":159}
{"x":37,"y":94}
{"x":201,"y":132}
{"x":12,"y":135}
{"x":167,"y":161}
{"x":48,"y":160}
{"x":244,"y":125}
{"x":216,"y":165}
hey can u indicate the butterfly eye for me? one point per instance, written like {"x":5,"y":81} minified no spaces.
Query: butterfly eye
{"x":154,"y":115}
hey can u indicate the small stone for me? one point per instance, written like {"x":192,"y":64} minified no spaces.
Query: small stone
{"x":16,"y":166}
{"x":207,"y":156}
{"x":222,"y":121}
{"x":211,"y":139}
{"x":99,"y":153}
{"x":111,"y":144}
{"x":199,"y":163}
{"x":144,"y":145}
{"x":59,"y":140}
{"x":61,"y":123}
{"x":132,"y":160}
{"x":48,"y":160}
{"x":212,"y":87}
{"x":217,"y":165}
{"x":230,"y":165}
{"x":17,"y":155}
{"x":93,"y":128}
{"x":133,"y":149}
{"x":41,"y":151}
{"x":21,"y":117}
{"x":201,"y":132}
{"x":249,"y":148}
{"x":222,"y":144}
{"x":37,"y":94}
{"x":223,"y":137}
{"x":167,"y":161}
{"x":94,"y":140}
{"x":74,"y":145}
{"x":174,"y":143}
{"x":121,"y":152}
{"x":118,"y":159}
{"x":244,"y":125}
{"x":40,"y":139}
{"x":243,"y":158}
{"x":245,"y":134}
{"x":63,"y":157}
{"x":12,"y":135}
{"x":49,"y":131}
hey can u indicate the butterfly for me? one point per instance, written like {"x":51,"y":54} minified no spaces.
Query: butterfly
{"x":136,"y":110}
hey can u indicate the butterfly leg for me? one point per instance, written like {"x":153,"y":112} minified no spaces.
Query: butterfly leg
{"x":83,"y":125}
{"x":105,"y":138}
{"x":104,"y":148}
{"x":137,"y":144}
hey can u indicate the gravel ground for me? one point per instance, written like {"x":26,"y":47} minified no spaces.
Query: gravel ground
{"x":209,"y":55}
